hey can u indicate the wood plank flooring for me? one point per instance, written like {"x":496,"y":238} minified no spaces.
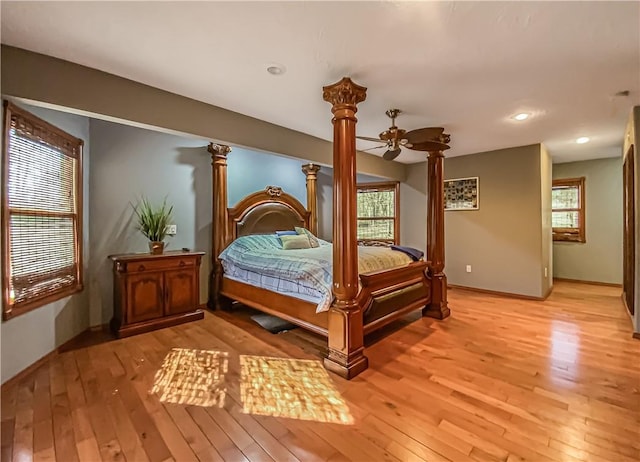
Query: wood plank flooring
{"x":501,"y":380}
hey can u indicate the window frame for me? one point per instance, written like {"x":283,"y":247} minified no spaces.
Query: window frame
{"x":382,"y":186}
{"x":571,"y":234}
{"x":50,"y":133}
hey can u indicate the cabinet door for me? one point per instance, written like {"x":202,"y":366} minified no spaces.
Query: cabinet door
{"x":144,"y":297}
{"x":181,"y":291}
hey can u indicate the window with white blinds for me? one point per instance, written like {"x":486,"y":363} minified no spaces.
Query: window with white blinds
{"x":42,"y":221}
{"x":568,"y":210}
{"x":378,"y":213}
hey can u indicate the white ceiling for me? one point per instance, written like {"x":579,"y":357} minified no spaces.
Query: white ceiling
{"x":466,"y":66}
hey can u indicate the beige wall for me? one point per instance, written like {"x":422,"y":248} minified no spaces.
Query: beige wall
{"x":45,"y":79}
{"x":29,"y":337}
{"x":413,"y":207}
{"x":502,"y":241}
{"x":507,"y":241}
{"x":546,"y":174}
{"x":600,"y":258}
{"x":632,"y":137}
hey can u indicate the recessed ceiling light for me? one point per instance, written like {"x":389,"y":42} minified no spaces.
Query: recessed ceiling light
{"x":521,"y":116}
{"x":276,"y":69}
{"x":583,"y":139}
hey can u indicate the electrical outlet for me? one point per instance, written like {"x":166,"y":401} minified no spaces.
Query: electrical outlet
{"x":172,"y":230}
{"x":468,"y":268}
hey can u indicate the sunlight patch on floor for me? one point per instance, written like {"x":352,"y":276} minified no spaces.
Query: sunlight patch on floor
{"x":195,"y":377}
{"x":293,"y":388}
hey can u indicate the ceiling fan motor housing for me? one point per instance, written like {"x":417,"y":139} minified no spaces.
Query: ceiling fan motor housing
{"x":421,"y":139}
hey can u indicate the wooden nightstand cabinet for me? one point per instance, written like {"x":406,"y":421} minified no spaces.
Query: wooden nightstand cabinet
{"x":155,"y":291}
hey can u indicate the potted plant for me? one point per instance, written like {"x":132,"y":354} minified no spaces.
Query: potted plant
{"x":153,"y":222}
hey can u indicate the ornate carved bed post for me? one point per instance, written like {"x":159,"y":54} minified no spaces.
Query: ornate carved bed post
{"x":311,"y":171}
{"x":345,"y":323}
{"x":220,"y":225}
{"x":435,"y":237}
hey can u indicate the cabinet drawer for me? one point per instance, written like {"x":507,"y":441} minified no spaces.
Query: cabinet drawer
{"x":160,"y":264}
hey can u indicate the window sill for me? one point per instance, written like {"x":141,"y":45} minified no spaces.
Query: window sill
{"x":34,"y":304}
{"x":570,"y":239}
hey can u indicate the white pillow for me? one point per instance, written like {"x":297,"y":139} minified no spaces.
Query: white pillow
{"x":295,"y":242}
{"x":312,"y":239}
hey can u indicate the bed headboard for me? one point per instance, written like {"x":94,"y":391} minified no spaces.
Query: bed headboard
{"x":265,"y":212}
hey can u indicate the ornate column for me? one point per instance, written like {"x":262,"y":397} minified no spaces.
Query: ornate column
{"x":311,"y":171}
{"x":435,"y":237}
{"x":220,"y":225}
{"x":346,"y":338}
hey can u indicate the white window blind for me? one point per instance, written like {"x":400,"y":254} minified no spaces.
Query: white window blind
{"x":42,"y":223}
{"x":377,"y":213}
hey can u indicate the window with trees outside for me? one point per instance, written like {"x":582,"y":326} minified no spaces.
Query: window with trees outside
{"x":378,"y":213}
{"x":41,"y":212}
{"x":568,"y":210}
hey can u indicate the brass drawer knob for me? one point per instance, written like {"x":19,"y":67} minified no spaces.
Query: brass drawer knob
{"x":141,"y":268}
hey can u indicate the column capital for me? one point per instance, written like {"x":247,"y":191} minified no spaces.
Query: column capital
{"x":219,"y":150}
{"x":344,"y":94}
{"x":310,"y":169}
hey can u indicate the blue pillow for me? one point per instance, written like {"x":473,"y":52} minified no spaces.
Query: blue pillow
{"x":286,"y":233}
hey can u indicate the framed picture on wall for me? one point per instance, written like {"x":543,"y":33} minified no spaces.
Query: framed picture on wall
{"x":462,"y":194}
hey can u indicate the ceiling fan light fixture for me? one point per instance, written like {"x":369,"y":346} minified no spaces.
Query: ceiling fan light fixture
{"x":420,"y":139}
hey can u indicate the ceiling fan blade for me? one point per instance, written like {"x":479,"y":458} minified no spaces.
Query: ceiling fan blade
{"x":375,"y":147}
{"x":391,"y":154}
{"x":428,"y":146}
{"x":368,"y":138}
{"x":422,"y":135}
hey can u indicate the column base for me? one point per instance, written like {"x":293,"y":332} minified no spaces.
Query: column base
{"x":345,"y":367}
{"x":216,"y":300}
{"x":438,"y":308}
{"x":222,"y":303}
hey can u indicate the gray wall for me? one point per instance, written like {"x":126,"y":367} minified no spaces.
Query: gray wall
{"x":600,"y":258}
{"x":126,"y":163}
{"x":29,"y":337}
{"x":129,"y":162}
{"x":502,"y":241}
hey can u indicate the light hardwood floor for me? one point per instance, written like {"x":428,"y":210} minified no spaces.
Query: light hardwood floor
{"x":501,"y":380}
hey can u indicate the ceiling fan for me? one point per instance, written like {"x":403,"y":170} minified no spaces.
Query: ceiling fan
{"x":421,"y":139}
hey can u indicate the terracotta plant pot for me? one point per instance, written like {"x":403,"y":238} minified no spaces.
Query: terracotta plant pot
{"x":156,"y":248}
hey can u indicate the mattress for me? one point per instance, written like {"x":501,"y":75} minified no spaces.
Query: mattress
{"x":259,"y":260}
{"x":275,"y":284}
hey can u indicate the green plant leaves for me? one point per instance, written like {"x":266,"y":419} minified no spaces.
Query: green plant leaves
{"x":153,"y":221}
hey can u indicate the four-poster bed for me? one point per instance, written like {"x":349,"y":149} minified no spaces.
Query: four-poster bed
{"x":362,"y":303}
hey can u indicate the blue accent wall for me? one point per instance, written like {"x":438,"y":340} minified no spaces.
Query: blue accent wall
{"x":250,"y":171}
